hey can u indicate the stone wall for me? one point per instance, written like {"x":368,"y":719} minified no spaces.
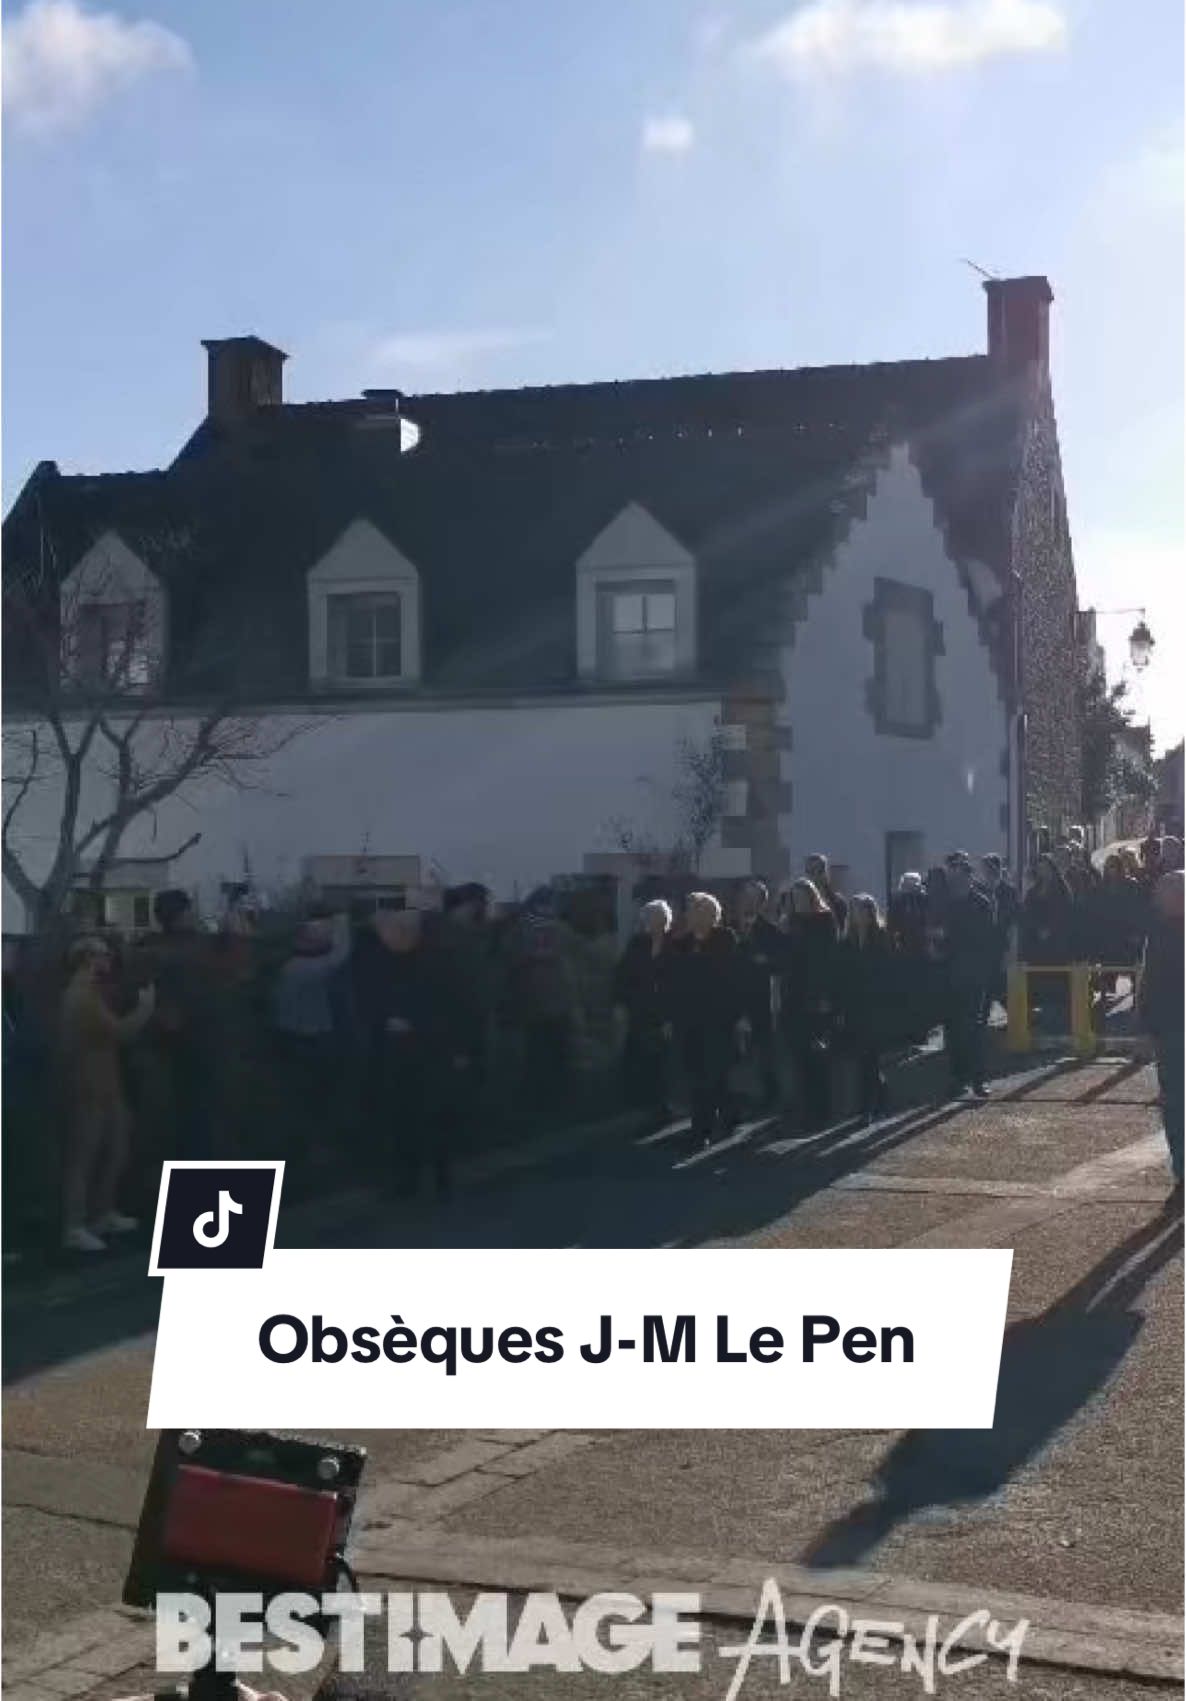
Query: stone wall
{"x":1049,"y":651}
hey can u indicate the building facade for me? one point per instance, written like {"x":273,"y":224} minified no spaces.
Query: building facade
{"x":513,"y":635}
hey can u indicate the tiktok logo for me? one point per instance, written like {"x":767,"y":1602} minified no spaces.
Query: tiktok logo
{"x":212,"y":1236}
{"x":215,"y":1216}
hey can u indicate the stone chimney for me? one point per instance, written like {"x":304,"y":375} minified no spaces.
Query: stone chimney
{"x":245,"y":373}
{"x":1019,"y":323}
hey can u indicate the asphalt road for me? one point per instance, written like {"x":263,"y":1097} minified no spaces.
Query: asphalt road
{"x":1078,"y":1493}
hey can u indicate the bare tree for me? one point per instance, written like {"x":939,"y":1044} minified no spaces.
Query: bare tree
{"x":699,"y":792}
{"x":94,"y":729}
{"x":698,"y":801}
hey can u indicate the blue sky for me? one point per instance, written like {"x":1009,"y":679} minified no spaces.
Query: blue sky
{"x":442,"y":193}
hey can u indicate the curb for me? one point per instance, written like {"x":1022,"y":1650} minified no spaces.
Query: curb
{"x":1070,"y":1635}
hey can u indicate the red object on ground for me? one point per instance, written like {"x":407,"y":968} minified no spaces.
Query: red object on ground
{"x":273,"y":1530}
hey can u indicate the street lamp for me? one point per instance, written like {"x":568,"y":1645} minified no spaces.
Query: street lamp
{"x":1140,"y":639}
{"x":1140,"y":645}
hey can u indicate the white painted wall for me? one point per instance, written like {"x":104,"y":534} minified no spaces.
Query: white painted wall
{"x":508,"y":795}
{"x":850,"y":784}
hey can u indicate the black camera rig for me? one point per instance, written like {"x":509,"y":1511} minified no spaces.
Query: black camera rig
{"x":243,"y":1510}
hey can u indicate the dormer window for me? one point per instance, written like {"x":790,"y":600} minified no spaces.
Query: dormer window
{"x":636,"y":603}
{"x":113,"y":621}
{"x":364,"y":614}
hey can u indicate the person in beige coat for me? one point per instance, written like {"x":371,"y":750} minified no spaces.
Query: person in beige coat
{"x":96,"y":1151}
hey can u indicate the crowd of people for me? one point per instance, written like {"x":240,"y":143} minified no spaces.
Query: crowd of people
{"x":817,"y":980}
{"x":808,"y":980}
{"x":386,"y":1026}
{"x":362,"y":1042}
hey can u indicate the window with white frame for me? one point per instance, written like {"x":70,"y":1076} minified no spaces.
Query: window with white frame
{"x":365,"y":636}
{"x":636,"y":602}
{"x":113,"y":613}
{"x":364,"y":613}
{"x":637,"y":630}
{"x":111,"y":645}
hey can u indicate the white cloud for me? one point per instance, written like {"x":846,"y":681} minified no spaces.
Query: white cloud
{"x":909,"y":37}
{"x":668,"y":135}
{"x":445,"y":355}
{"x":61,"y":61}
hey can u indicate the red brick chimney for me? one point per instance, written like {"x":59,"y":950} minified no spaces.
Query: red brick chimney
{"x":245,"y":373}
{"x":1019,"y":323}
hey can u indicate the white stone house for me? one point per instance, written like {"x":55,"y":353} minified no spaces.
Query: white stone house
{"x":476,"y":630}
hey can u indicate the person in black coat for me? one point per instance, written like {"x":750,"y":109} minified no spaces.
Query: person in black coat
{"x":640,"y":992}
{"x":808,"y":992}
{"x":1117,"y":919}
{"x":1006,"y":908}
{"x":969,"y":956}
{"x":458,"y":968}
{"x":705,"y":1005}
{"x":400,"y":1004}
{"x":818,"y":870}
{"x":914,"y":966}
{"x":864,"y":996}
{"x":1161,"y":1007}
{"x":761,"y":946}
{"x":1048,"y":916}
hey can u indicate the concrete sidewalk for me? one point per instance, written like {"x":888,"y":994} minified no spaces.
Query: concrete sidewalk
{"x":1073,"y":1500}
{"x":1069,"y":1512}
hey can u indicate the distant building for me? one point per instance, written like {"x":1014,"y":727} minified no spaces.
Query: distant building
{"x":1170,"y":816}
{"x":1130,"y":817}
{"x":498,"y":618}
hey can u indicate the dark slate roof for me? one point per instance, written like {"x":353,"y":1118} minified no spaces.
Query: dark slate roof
{"x":756,"y":473}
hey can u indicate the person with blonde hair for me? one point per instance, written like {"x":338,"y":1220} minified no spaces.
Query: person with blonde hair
{"x":96,"y":1151}
{"x":705,"y":1001}
{"x":640,"y":993}
{"x":761,"y":946}
{"x":865,"y":998}
{"x":808,"y":992}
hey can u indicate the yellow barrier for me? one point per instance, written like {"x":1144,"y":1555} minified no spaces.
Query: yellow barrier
{"x":1083,"y":1037}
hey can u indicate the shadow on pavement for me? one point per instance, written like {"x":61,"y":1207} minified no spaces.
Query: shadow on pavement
{"x":659,"y":1190}
{"x":624,"y":1191}
{"x":1051,"y":1366}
